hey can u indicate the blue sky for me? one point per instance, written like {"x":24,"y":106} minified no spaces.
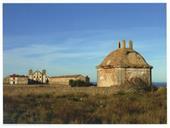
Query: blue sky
{"x":75,"y":38}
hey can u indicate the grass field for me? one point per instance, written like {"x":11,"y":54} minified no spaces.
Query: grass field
{"x":82,"y":105}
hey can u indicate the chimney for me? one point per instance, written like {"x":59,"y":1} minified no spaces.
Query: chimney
{"x":130,"y":44}
{"x":119,"y":45}
{"x":123,"y":44}
{"x":44,"y":71}
{"x":30,"y":72}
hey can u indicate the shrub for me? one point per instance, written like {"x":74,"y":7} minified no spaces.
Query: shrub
{"x":79,"y":83}
{"x":162,"y":90}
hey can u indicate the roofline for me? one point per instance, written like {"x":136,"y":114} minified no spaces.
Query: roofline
{"x":146,"y":65}
{"x":64,"y":76}
{"x":16,"y":75}
{"x":110,"y":66}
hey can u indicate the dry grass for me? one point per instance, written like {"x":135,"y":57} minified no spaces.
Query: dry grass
{"x":54,"y":104}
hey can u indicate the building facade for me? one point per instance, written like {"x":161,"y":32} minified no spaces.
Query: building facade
{"x":124,"y":66}
{"x":64,"y":80}
{"x":16,"y":79}
{"x":37,"y":77}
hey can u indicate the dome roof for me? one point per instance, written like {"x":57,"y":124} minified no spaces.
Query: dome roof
{"x":124,"y":58}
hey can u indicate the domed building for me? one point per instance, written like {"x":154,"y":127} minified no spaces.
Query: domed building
{"x":124,"y":66}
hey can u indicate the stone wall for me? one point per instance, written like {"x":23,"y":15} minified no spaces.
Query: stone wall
{"x":106,"y":77}
{"x":54,"y":80}
{"x":22,"y":80}
{"x":138,"y":76}
{"x":120,"y":76}
{"x":64,"y":80}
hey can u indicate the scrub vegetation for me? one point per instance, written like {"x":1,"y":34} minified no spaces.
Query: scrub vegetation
{"x":83,"y":105}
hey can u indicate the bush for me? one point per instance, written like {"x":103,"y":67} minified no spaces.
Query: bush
{"x":161,"y":90}
{"x":79,"y":83}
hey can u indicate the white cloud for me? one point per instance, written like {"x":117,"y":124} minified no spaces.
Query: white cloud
{"x":44,"y":56}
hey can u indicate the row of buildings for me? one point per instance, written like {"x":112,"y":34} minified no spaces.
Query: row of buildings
{"x":122,"y":66}
{"x":38,"y":77}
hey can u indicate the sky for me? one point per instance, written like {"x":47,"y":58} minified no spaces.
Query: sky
{"x":75,"y":38}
